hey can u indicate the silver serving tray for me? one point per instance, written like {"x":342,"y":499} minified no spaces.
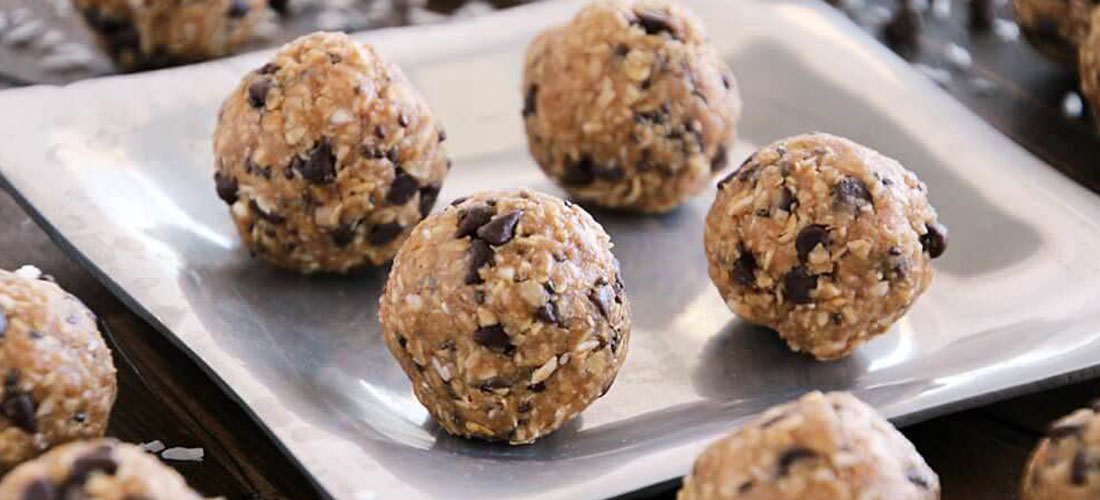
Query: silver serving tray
{"x":119,"y":170}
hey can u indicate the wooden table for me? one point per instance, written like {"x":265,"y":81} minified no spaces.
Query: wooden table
{"x":978,"y":453}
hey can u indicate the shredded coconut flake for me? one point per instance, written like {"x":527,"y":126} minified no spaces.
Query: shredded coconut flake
{"x":28,"y":272}
{"x":155,"y":446}
{"x":179,"y":454}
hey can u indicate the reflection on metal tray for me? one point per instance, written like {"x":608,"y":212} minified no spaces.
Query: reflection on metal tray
{"x":119,"y":169}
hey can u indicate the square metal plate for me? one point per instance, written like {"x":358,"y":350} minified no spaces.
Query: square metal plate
{"x":119,"y":170}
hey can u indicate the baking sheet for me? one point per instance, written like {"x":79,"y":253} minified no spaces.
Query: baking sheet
{"x":119,"y":169}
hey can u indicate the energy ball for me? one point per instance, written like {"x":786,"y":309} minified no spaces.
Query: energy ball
{"x":824,"y":240}
{"x":1064,"y":465}
{"x":507,"y":312}
{"x":628,"y":105}
{"x":1089,"y":65}
{"x":56,"y":370}
{"x":820,"y":447}
{"x":1054,"y":27}
{"x":149,"y":34}
{"x":327,"y":156}
{"x":103,"y":469}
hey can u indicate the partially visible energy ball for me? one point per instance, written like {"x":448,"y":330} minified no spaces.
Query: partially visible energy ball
{"x":149,"y":34}
{"x":327,"y":156}
{"x":1054,"y":27}
{"x":824,"y":240}
{"x":102,"y":469}
{"x":1064,"y":464}
{"x":1089,"y":65}
{"x":57,"y":379}
{"x":821,"y":447}
{"x":629,"y":106}
{"x":508,"y":314}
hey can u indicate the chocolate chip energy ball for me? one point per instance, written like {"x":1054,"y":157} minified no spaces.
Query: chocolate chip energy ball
{"x":327,"y":156}
{"x":1066,"y":464}
{"x":824,"y":240}
{"x":57,"y":374}
{"x":821,"y":447}
{"x":628,"y":105}
{"x":146,"y":34}
{"x":103,"y":469}
{"x":508,"y":313}
{"x":1054,"y":27}
{"x":1089,"y":65}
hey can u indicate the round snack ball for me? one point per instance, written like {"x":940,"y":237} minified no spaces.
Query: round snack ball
{"x":1064,"y":465}
{"x":151,"y":34}
{"x":1054,"y":27}
{"x":58,"y":377}
{"x":507,"y":312}
{"x":820,"y":447}
{"x":823,"y":240}
{"x":629,"y":106}
{"x":102,"y":469}
{"x":1089,"y":65}
{"x":327,"y":156}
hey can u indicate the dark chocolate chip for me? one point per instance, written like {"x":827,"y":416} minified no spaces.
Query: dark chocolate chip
{"x":344,"y":234}
{"x":480,"y":253}
{"x":227,"y":187}
{"x":3,"y":323}
{"x":579,"y":173}
{"x":441,"y":134}
{"x":19,"y":409}
{"x":379,"y":132}
{"x":902,"y":33}
{"x":269,"y":217}
{"x":793,"y":455}
{"x":238,"y":9}
{"x":35,"y":334}
{"x":655,"y":22}
{"x":268,"y":69}
{"x":384,"y":233}
{"x":726,"y":180}
{"x":530,"y":101}
{"x":80,"y":417}
{"x":808,"y":239}
{"x":786,"y":200}
{"x":1063,"y":430}
{"x":797,"y":285}
{"x":472,"y":218}
{"x":392,"y":155}
{"x":428,"y":195}
{"x":257,"y":92}
{"x":726,"y":82}
{"x":493,"y":383}
{"x":744,"y":268}
{"x":610,"y":174}
{"x":745,"y":487}
{"x":403,"y":119}
{"x":320,"y":167}
{"x":914,"y":476}
{"x":458,"y":201}
{"x":494,"y":338}
{"x":935,"y":240}
{"x":501,"y":229}
{"x":98,"y":460}
{"x":403,"y":188}
{"x":603,"y":297}
{"x":981,"y":15}
{"x":41,"y":489}
{"x":720,"y":160}
{"x":539,"y":387}
{"x":852,"y":192}
{"x":547,"y":313}
{"x":1079,"y":468}
{"x":524,"y":407}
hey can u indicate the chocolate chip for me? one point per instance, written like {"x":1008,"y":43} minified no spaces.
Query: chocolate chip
{"x":392,"y":155}
{"x":547,"y":313}
{"x":610,"y":174}
{"x":720,"y":160}
{"x":442,"y":134}
{"x":3,"y":323}
{"x":269,"y":217}
{"x":321,"y":165}
{"x":524,"y":407}
{"x":501,"y":229}
{"x":744,"y":268}
{"x":793,"y":455}
{"x":981,"y":15}
{"x":480,"y":253}
{"x":852,"y":192}
{"x":655,"y":22}
{"x":268,"y":69}
{"x":809,"y":238}
{"x":935,"y":240}
{"x":786,"y":200}
{"x":98,"y":460}
{"x":539,"y":387}
{"x":530,"y":103}
{"x":227,"y":187}
{"x":726,"y":180}
{"x":579,"y":173}
{"x":344,"y":234}
{"x":902,"y":32}
{"x":19,"y":409}
{"x":238,"y":9}
{"x":403,"y":119}
{"x":1079,"y":468}
{"x":603,"y":297}
{"x":402,"y":189}
{"x":1063,"y":430}
{"x":41,"y":489}
{"x":798,"y":284}
{"x":472,"y":218}
{"x":257,"y":92}
{"x":384,"y":233}
{"x":428,"y":195}
{"x":80,"y":417}
{"x":745,"y":487}
{"x":379,"y":132}
{"x":726,"y":82}
{"x":914,"y":476}
{"x":494,"y":338}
